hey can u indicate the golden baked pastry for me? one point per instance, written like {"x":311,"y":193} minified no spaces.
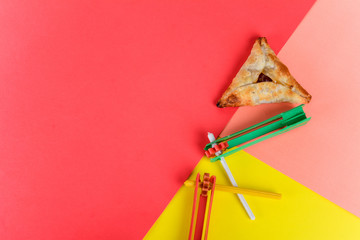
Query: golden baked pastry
{"x":263,"y":79}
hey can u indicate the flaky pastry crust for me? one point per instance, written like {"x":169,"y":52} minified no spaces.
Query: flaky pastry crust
{"x":245,"y":89}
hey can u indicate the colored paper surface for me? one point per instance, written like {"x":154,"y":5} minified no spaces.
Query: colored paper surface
{"x":324,"y":155}
{"x":300,"y":214}
{"x":104,"y":105}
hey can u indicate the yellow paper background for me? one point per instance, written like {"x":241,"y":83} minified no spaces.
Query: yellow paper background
{"x":300,"y":214}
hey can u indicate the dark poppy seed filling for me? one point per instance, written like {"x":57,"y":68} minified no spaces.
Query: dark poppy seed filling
{"x":263,"y":78}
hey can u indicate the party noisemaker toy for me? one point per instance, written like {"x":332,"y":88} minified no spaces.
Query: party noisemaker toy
{"x":220,"y":148}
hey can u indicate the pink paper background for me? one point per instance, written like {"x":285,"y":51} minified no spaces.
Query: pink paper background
{"x":322,"y":54}
{"x":98,"y":96}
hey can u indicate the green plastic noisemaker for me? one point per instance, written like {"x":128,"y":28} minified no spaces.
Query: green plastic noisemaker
{"x":274,"y":126}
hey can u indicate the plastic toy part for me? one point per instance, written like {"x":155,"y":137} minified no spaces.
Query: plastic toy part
{"x":197,"y":181}
{"x":218,"y":147}
{"x":274,"y":126}
{"x":207,"y":185}
{"x":240,"y":196}
{"x":231,"y":189}
{"x":246,"y":206}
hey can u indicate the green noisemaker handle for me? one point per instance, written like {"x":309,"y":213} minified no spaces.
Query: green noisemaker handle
{"x":274,"y":126}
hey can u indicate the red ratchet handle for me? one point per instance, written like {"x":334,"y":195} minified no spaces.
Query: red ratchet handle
{"x":207,"y":185}
{"x":202,"y":207}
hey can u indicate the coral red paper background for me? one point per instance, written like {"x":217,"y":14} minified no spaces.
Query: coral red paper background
{"x":97,"y":96}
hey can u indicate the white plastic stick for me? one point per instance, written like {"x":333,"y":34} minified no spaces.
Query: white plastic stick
{"x":232,"y":180}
